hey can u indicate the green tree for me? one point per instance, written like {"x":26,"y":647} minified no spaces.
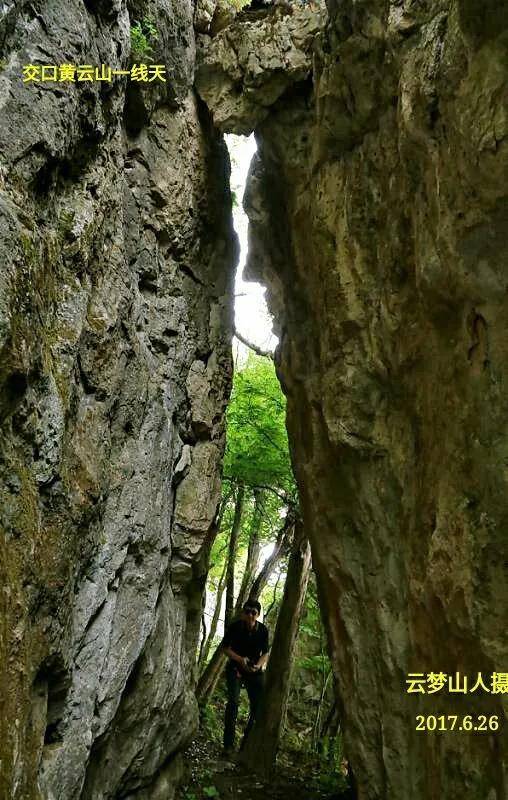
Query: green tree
{"x":258,"y":496}
{"x":259,"y":508}
{"x":257,"y":452}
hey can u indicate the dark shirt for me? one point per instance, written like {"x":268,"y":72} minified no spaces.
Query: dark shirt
{"x":251,"y":643}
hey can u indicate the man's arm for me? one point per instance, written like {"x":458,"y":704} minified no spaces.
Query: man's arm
{"x":243,"y":661}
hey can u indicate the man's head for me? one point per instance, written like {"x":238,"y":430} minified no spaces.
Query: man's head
{"x":251,"y":612}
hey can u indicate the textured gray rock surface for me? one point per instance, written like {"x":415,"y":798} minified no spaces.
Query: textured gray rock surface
{"x":244,"y":69}
{"x":378,"y":219}
{"x":116,"y":254}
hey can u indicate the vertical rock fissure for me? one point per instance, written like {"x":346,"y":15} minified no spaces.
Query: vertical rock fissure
{"x":377,"y":205}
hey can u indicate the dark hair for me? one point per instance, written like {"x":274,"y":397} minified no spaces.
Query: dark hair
{"x":253,"y":604}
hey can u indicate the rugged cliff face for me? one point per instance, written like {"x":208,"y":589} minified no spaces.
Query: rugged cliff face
{"x":378,"y":208}
{"x":378,"y":220}
{"x":116,"y":259}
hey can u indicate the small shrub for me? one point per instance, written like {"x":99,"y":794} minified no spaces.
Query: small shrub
{"x":143,"y":35}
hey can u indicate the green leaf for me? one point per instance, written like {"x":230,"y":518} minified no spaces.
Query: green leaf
{"x":143,"y":34}
{"x":257,"y":451}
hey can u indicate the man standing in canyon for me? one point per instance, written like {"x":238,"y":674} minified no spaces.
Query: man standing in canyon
{"x":246,"y":645}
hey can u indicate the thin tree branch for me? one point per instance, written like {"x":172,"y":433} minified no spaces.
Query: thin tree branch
{"x":274,"y":599}
{"x":258,"y":350}
{"x":282,"y":495}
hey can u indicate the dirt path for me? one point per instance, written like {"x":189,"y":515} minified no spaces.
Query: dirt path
{"x":211,"y":776}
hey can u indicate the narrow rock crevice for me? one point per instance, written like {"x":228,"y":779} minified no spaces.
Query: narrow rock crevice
{"x":377,"y":203}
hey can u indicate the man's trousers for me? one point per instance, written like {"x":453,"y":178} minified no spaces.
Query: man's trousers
{"x":253,"y":682}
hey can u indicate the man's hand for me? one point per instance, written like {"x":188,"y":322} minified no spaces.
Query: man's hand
{"x":261,"y":663}
{"x":243,"y":661}
{"x":246,"y":664}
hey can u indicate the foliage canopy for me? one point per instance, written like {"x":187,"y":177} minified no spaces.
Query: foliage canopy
{"x":257,"y":452}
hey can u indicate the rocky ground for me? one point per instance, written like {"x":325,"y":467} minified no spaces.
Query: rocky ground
{"x":297,"y":775}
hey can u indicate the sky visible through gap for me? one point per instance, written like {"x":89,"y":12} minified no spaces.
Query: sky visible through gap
{"x":252,"y":318}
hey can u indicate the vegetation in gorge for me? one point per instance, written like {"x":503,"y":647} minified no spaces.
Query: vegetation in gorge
{"x":252,"y":556}
{"x":257,"y":454}
{"x":143,"y":35}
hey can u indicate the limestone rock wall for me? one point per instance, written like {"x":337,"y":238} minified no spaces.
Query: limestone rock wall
{"x":116,"y":255}
{"x":378,"y":219}
{"x":249,"y":64}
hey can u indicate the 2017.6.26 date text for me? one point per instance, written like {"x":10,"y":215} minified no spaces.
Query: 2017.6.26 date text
{"x":453,"y":722}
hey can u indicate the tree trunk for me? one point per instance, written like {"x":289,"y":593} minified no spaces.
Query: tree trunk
{"x":233,"y":543}
{"x":317,"y":722}
{"x":222,"y":508}
{"x":210,"y":676}
{"x":215,"y":618}
{"x":280,"y":549}
{"x":261,"y":746}
{"x":269,"y":610}
{"x":203,"y":635}
{"x":253,"y":551}
{"x":331,"y":721}
{"x":212,"y":672}
{"x":329,"y":732}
